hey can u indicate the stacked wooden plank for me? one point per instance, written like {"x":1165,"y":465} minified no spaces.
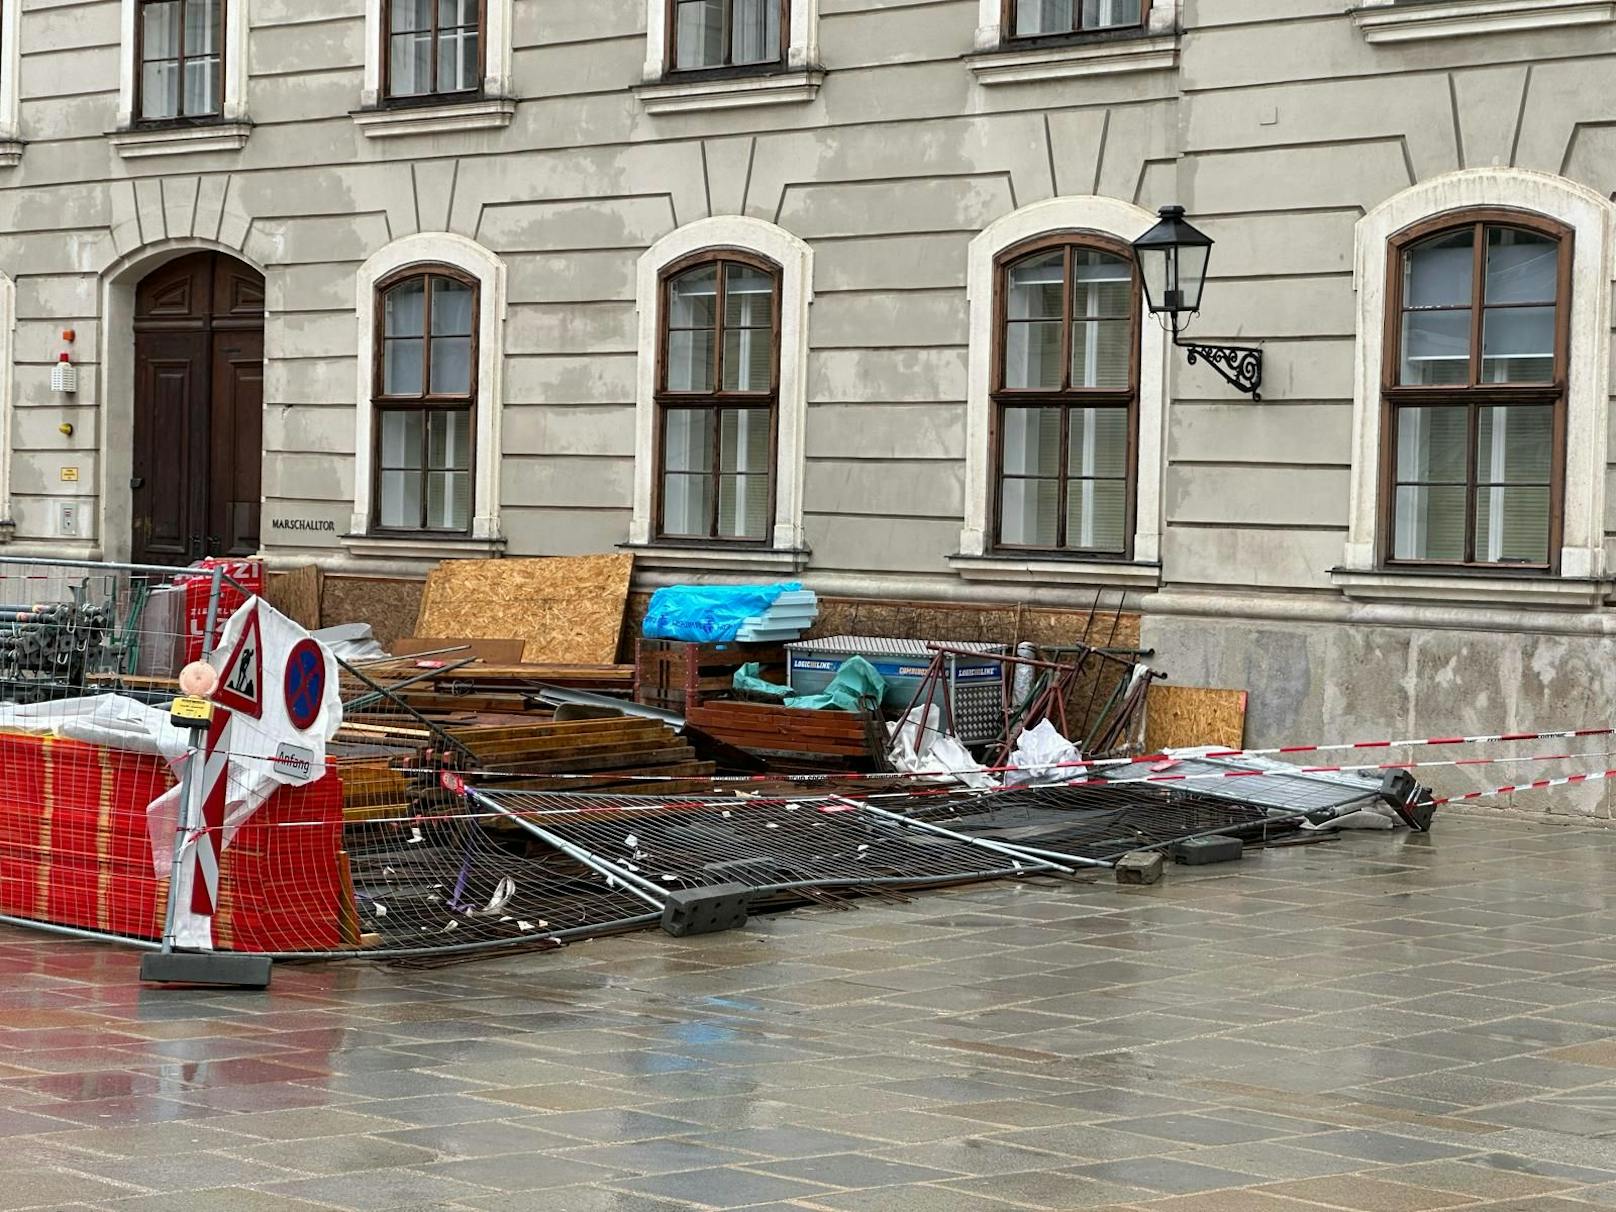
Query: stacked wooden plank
{"x":604,"y":750}
{"x":843,"y":737}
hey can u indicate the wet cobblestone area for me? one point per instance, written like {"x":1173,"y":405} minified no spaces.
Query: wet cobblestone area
{"x":1385,"y":1022}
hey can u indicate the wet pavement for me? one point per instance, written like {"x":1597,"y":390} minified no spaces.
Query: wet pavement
{"x":1380,"y":1023}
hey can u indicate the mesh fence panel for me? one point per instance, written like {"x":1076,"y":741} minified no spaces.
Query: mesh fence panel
{"x":772,"y":845}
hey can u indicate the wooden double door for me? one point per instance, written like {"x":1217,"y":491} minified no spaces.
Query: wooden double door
{"x":197,"y":474}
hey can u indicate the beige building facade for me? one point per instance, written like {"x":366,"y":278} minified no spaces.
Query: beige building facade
{"x":842,"y":290}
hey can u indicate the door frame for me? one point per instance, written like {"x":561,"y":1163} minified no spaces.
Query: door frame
{"x":114,"y":538}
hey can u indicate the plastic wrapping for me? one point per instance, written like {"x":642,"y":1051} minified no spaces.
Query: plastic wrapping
{"x":1043,"y":755}
{"x":708,"y":614}
{"x":856,"y":685}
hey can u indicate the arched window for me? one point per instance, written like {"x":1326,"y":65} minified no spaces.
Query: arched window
{"x":717,"y":396}
{"x":424,"y":400}
{"x":1050,"y":18}
{"x":1474,"y":390}
{"x":1065,"y":396}
{"x":435,"y":48}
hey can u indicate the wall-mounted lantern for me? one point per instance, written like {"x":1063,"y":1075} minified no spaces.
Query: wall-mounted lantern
{"x":1172,"y":257}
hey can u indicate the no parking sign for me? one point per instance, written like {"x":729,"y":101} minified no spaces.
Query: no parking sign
{"x":305,"y":684}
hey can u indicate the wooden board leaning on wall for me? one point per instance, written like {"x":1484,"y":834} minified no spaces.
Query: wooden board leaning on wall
{"x":1180,"y":717}
{"x":566,"y":609}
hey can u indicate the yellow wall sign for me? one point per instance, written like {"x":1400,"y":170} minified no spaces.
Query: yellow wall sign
{"x":70,"y":475}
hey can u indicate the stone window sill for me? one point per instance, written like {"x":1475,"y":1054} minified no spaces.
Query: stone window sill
{"x":180,"y":140}
{"x":423,"y":547}
{"x":674,"y":96}
{"x":1391,"y":23}
{"x":1031,"y":570}
{"x":1112,"y":57}
{"x":1487,"y":589}
{"x":716,"y":559}
{"x":481,"y":113}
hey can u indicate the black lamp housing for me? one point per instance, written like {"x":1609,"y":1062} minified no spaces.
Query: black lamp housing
{"x":1173,"y":257}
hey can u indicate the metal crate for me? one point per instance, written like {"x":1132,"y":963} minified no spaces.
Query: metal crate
{"x":974,"y":684}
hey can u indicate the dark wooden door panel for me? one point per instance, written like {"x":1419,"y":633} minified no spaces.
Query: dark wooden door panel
{"x":237,"y":441}
{"x":199,"y":398}
{"x":170,"y":394}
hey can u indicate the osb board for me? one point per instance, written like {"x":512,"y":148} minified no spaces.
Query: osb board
{"x":296,"y":594}
{"x":566,"y":608}
{"x":389,"y":606}
{"x":1181,"y":717}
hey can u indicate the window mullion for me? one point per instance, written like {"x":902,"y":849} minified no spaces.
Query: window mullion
{"x":1472,"y":473}
{"x":432,"y":50}
{"x":1068,"y":286}
{"x":1478,"y":302}
{"x":426,"y":336}
{"x":1063,"y":469}
{"x":423,"y":456}
{"x":717,"y":473}
{"x":720,"y":301}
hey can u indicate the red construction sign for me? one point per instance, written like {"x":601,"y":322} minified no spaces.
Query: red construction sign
{"x":241,"y":679}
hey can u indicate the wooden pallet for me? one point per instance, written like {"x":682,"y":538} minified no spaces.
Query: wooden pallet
{"x":676,"y":676}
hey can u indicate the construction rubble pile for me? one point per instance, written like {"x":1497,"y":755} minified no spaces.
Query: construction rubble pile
{"x":501,"y":779}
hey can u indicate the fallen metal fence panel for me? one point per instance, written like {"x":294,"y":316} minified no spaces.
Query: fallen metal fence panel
{"x":1094,"y":823}
{"x":772,"y":846}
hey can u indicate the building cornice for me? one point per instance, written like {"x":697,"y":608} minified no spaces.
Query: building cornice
{"x":1388,"y":22}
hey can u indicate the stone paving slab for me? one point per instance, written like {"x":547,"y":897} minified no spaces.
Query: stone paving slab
{"x":1378,"y":1024}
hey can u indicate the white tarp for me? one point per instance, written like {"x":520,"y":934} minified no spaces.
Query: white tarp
{"x":920,"y":746}
{"x":104,"y":719}
{"x":1043,"y":755}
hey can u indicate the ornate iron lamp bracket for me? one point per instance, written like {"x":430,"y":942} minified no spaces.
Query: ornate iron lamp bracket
{"x":1240,"y":366}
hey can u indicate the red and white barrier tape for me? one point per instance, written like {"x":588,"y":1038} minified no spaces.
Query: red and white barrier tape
{"x":1570,"y":780}
{"x":615,"y":778}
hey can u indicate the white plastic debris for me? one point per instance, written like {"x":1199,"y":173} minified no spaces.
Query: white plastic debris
{"x":631,"y":842}
{"x":381,"y":910}
{"x":503,"y":892}
{"x":524,"y":926}
{"x":416,"y":837}
{"x":1043,"y":755}
{"x":919,"y":746}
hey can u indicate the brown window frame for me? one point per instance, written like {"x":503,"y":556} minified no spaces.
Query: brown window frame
{"x":717,"y":400}
{"x":217,"y":115}
{"x":426,"y":401}
{"x":720,"y":70}
{"x":434,"y":96}
{"x":1066,"y":398}
{"x":1007,"y":26}
{"x":1475,"y":395}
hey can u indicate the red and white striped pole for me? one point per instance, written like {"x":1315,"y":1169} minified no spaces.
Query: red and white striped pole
{"x":207,"y":837}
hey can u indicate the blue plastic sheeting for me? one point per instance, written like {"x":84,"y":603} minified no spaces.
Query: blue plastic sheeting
{"x":708,"y":614}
